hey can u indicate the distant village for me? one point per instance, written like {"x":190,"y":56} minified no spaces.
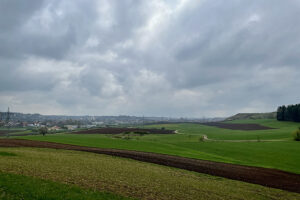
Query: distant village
{"x":61,"y":123}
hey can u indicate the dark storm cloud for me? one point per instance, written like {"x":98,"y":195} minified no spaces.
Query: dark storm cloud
{"x":164,"y":58}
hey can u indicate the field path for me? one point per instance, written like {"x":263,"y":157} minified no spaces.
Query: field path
{"x":257,"y":175}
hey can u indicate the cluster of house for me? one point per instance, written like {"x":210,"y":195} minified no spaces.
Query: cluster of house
{"x":35,"y":124}
{"x":39,"y":125}
{"x":54,"y":128}
{"x":57,"y":128}
{"x":50,"y":126}
{"x":73,"y":127}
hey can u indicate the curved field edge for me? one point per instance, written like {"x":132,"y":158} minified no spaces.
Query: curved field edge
{"x":128,"y":177}
{"x":16,"y":187}
{"x":262,"y":176}
{"x":278,"y":155}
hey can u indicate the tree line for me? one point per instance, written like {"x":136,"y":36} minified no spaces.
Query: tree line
{"x":289,"y":113}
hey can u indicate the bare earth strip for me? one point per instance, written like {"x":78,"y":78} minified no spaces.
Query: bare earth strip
{"x":242,"y":127}
{"x":213,"y":140}
{"x":124,"y":130}
{"x":262,"y":176}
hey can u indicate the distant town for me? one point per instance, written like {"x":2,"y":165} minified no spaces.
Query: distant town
{"x":62,"y":122}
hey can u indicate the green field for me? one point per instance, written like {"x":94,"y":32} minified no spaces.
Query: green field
{"x":89,"y":174}
{"x":15,"y":187}
{"x":17,"y":131}
{"x":275,"y":148}
{"x":12,"y":129}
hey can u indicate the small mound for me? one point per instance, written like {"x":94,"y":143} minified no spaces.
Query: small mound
{"x":242,"y":127}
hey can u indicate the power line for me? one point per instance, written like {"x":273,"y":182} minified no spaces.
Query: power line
{"x":7,"y":122}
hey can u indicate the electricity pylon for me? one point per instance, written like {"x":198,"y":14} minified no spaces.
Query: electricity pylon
{"x":7,"y":122}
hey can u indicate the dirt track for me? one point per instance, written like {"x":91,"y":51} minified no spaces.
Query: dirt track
{"x":242,"y":127}
{"x":262,"y":176}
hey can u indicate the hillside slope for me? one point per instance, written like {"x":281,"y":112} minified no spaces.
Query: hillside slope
{"x":243,"y":116}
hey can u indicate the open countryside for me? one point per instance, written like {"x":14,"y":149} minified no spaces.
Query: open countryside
{"x":226,"y":151}
{"x":149,"y":100}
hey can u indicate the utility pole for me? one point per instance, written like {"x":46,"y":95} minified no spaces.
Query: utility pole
{"x":0,"y":116}
{"x":7,"y":122}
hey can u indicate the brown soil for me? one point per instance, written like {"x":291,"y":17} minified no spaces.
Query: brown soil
{"x":262,"y":176}
{"x":243,"y":127}
{"x":124,"y":130}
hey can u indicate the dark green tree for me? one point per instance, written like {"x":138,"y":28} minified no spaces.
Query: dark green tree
{"x":281,"y":113}
{"x":289,"y":113}
{"x":43,"y":131}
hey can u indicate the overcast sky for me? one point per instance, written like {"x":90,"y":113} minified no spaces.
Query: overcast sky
{"x":179,"y":58}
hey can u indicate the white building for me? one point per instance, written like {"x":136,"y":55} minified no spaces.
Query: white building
{"x":71,"y":127}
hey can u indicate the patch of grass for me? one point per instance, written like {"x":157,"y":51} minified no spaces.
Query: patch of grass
{"x":282,"y":154}
{"x":3,"y":153}
{"x":129,"y":177}
{"x":16,"y":187}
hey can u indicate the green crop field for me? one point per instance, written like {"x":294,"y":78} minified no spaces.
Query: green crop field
{"x":62,"y":174}
{"x":12,"y":129}
{"x":15,"y":187}
{"x":15,"y":131}
{"x":273,"y":148}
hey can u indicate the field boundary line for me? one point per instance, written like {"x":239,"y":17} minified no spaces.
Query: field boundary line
{"x":257,"y":175}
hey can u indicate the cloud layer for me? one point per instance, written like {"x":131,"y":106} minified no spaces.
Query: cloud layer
{"x":156,"y":58}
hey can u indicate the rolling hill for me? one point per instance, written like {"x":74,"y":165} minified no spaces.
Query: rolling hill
{"x":243,"y":116}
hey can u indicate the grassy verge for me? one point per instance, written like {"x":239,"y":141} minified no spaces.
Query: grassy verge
{"x":16,"y":187}
{"x":128,"y":177}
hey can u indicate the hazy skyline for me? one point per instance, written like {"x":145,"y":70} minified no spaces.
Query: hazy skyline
{"x":179,"y":58}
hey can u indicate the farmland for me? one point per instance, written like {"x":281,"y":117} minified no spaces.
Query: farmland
{"x":270,"y":147}
{"x":125,"y":130}
{"x":13,"y":131}
{"x":149,"y":100}
{"x":14,"y":186}
{"x":262,"y":176}
{"x":126,"y":177}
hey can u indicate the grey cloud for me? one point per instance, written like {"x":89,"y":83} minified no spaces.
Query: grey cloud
{"x":164,"y":58}
{"x":16,"y":12}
